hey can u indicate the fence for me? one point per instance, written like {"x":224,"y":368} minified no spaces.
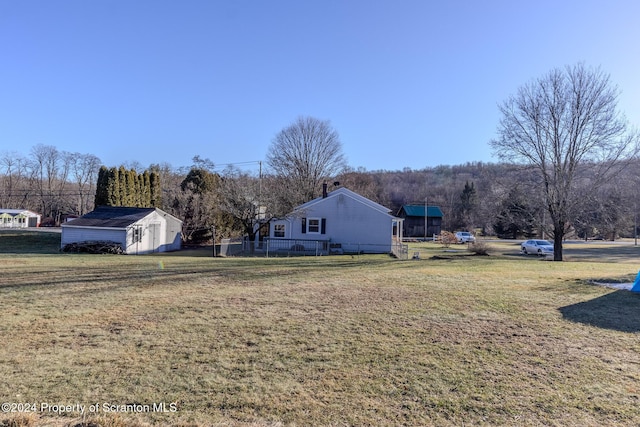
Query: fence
{"x":277,"y":247}
{"x":231,"y":247}
{"x":400,"y":250}
{"x":288,"y":247}
{"x":301,"y":247}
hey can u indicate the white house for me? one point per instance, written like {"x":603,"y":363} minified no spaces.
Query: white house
{"x":138,"y":230}
{"x":18,"y":218}
{"x":341,"y":221}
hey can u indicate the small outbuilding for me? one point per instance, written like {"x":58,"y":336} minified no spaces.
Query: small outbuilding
{"x":137,"y":230}
{"x":416,"y":216}
{"x":18,"y":218}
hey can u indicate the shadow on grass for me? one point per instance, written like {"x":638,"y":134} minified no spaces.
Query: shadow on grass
{"x":607,"y":252}
{"x":16,"y":241}
{"x":617,"y":311}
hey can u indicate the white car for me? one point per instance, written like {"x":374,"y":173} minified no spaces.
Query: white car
{"x":537,"y":247}
{"x":465,"y":237}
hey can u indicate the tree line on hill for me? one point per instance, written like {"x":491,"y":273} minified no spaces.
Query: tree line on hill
{"x":500,"y":199}
{"x":508,"y":200}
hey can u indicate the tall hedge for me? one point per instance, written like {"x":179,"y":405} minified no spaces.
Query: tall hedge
{"x":121,"y":187}
{"x":102,"y":193}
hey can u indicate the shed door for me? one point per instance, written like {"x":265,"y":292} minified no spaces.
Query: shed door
{"x":154,"y":236}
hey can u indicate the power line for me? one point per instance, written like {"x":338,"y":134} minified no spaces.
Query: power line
{"x":26,"y":193}
{"x":249,"y":162}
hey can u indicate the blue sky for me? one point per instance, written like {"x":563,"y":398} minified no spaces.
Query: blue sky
{"x":412,"y":83}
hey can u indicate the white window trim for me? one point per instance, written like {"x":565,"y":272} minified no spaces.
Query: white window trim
{"x":284,"y":230}
{"x":309,"y":225}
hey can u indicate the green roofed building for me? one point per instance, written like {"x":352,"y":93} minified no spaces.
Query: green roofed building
{"x":415,"y":219}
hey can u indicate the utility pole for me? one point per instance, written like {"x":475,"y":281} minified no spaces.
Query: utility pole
{"x":260,"y":181}
{"x":426,"y":218}
{"x":213,"y":232}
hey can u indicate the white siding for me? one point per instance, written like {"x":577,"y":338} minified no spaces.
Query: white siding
{"x":357,"y":225}
{"x":282,"y":223}
{"x":160,"y":232}
{"x":85,"y":234}
{"x":18,"y":218}
{"x":154,"y":235}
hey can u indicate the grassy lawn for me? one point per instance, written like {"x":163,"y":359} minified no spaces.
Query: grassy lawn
{"x":448,"y":339}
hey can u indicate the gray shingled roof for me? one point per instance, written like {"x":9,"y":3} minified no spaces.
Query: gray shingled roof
{"x":111,"y":216}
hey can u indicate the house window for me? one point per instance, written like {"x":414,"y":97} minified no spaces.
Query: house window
{"x":278,"y":230}
{"x":314,"y":225}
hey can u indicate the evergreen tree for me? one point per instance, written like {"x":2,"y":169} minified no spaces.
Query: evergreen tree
{"x":122,"y":186}
{"x":102,"y":191}
{"x":133,"y":196}
{"x":468,"y":200}
{"x":517,"y":216}
{"x":145,"y":189}
{"x":199,"y":181}
{"x":139,"y":189}
{"x":113,"y":188}
{"x":155,"y":190}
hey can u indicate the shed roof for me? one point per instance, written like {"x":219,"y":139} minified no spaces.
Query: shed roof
{"x":15,"y":212}
{"x":111,"y":216}
{"x":418,"y":210}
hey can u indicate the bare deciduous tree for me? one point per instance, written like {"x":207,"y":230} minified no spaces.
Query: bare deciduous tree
{"x":241,"y":201}
{"x":52,"y":169}
{"x":84,"y":169}
{"x":559,"y":122}
{"x":13,"y":178}
{"x":305,"y":153}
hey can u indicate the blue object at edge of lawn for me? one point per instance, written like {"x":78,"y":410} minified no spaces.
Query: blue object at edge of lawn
{"x":636,"y":284}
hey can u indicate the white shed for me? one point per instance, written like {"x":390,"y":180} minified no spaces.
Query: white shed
{"x":339,"y":221}
{"x":137,"y":230}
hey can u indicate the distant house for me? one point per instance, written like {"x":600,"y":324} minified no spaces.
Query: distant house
{"x":138,"y":230}
{"x":338,"y":222}
{"x":18,"y":218}
{"x":414,"y":220}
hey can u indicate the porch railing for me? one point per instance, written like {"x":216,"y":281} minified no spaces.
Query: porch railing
{"x":400,"y":250}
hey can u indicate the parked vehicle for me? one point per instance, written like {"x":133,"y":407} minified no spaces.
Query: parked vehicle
{"x":537,"y":247}
{"x":465,"y":237}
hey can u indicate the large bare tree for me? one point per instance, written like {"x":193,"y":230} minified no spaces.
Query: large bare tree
{"x":84,"y":170}
{"x":557,"y":123}
{"x":14,"y":173}
{"x":305,"y":153}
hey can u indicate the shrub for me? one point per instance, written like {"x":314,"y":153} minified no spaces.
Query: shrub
{"x":480,"y":247}
{"x":447,"y":238}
